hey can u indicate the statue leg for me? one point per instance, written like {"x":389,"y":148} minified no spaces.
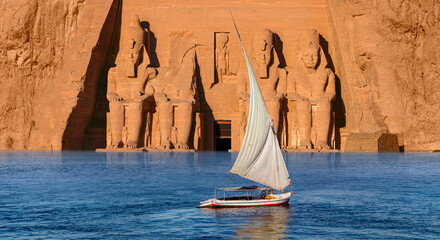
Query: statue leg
{"x":116,"y":122}
{"x":134,"y":123}
{"x":165,"y":110}
{"x":183,"y":123}
{"x":323,"y":109}
{"x":273,"y":107}
{"x":304,"y":120}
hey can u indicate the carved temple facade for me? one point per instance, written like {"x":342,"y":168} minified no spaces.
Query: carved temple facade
{"x":175,"y":76}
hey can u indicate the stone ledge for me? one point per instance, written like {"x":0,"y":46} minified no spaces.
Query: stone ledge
{"x":142,"y":150}
{"x":310,"y":150}
{"x":120,"y":150}
{"x":372,"y":142}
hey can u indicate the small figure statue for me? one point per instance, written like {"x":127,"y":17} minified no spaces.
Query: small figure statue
{"x":147,"y":135}
{"x":271,"y":78}
{"x":108,"y":132}
{"x":222,"y":56}
{"x":197,"y":132}
{"x":174,"y":135}
{"x":311,"y":85}
{"x":125,"y":136}
{"x":126,"y":84}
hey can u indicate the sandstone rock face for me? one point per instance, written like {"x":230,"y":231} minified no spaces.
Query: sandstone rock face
{"x":55,"y":57}
{"x":33,"y":40}
{"x":45,"y":49}
{"x":393,"y":46}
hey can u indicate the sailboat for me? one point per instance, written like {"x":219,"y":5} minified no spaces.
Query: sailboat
{"x":259,"y":159}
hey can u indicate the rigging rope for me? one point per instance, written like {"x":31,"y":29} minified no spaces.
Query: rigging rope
{"x":230,"y":180}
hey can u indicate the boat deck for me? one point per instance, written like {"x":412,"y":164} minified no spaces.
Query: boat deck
{"x":239,"y":198}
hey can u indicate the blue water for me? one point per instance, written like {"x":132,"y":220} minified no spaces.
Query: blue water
{"x":85,"y":195}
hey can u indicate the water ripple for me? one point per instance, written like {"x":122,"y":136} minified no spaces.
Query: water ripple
{"x":86,"y":195}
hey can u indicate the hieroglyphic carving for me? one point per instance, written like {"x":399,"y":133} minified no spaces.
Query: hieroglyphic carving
{"x":311,"y":88}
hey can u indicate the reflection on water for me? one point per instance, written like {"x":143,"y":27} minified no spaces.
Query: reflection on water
{"x":257,"y":222}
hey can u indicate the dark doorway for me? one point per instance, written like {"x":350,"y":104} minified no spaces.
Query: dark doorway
{"x":222,"y":134}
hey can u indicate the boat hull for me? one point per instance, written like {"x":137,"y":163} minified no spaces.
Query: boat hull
{"x":219,"y":203}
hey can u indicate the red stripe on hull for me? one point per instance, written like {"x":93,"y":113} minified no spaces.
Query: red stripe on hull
{"x":240,"y":206}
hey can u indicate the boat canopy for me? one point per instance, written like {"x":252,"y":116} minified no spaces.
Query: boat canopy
{"x":244,"y":189}
{"x":260,"y":157}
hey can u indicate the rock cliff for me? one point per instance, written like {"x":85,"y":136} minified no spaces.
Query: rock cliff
{"x":395,"y":46}
{"x":53,"y":55}
{"x":33,"y":40}
{"x":45,"y":48}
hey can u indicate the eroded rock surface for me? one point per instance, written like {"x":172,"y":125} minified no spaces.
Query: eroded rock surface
{"x":55,"y":56}
{"x":395,"y":47}
{"x":33,"y":39}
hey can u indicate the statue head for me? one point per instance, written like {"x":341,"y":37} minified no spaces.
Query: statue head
{"x":133,"y":45}
{"x":309,"y":48}
{"x":262,"y":45}
{"x":222,"y":39}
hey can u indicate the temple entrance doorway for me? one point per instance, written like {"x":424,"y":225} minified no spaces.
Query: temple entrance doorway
{"x":222,"y":135}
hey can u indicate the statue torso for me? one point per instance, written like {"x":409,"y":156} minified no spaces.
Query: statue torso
{"x":177,"y":81}
{"x":128,"y":87}
{"x":268,"y":86}
{"x":311,"y":85}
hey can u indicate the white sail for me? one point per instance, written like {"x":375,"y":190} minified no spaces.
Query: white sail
{"x":260,"y":157}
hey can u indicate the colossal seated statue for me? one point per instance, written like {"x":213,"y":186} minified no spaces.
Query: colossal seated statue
{"x":126,"y":83}
{"x":175,"y":91}
{"x":311,"y":86}
{"x":271,"y":78}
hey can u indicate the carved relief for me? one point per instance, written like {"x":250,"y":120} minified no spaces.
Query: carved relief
{"x":222,"y":56}
{"x":310,"y":91}
{"x":158,"y":105}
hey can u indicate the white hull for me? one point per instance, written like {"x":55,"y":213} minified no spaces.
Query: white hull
{"x":281,"y":199}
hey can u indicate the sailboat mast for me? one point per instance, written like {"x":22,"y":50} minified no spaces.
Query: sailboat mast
{"x":260,"y":157}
